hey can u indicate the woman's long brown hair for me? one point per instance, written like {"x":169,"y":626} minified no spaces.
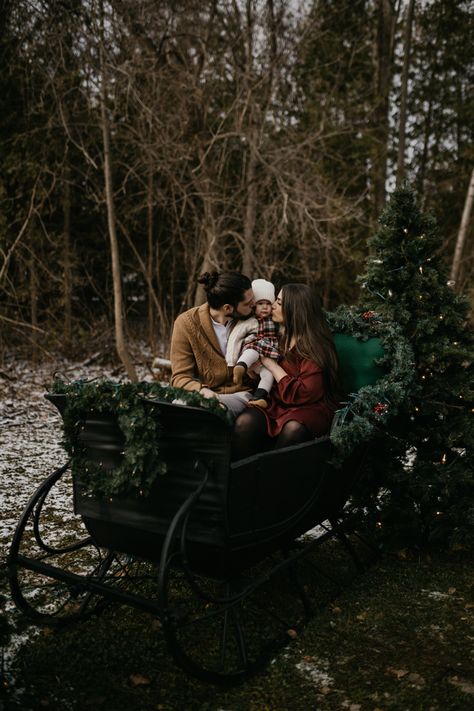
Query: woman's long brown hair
{"x":304,"y":321}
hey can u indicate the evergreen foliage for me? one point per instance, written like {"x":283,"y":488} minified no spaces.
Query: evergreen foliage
{"x":367,"y":411}
{"x":141,"y":464}
{"x":429,"y":493}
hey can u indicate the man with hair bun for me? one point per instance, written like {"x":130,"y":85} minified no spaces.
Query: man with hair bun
{"x":199,"y":340}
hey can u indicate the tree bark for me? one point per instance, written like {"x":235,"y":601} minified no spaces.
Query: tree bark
{"x":461,"y":238}
{"x":120,"y":339}
{"x":34,"y":306}
{"x":250,"y":168}
{"x":384,"y":47}
{"x":250,"y":210}
{"x":207,"y":263}
{"x":149,"y":262}
{"x":404,"y":94}
{"x":67,"y":260}
{"x":206,"y":192}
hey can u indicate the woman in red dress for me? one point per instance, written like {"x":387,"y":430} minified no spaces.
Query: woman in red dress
{"x":305,"y":394}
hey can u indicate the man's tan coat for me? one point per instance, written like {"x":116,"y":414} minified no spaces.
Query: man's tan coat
{"x":196,"y":358}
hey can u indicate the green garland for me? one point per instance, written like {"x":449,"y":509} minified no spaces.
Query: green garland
{"x":141,"y":465}
{"x":367,"y":411}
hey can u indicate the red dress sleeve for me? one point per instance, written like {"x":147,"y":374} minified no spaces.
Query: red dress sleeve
{"x":306,"y":387}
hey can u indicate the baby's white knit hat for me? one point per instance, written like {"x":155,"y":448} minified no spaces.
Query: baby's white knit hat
{"x":263,"y":289}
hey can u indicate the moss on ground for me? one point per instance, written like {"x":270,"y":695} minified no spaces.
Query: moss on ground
{"x":400,"y":636}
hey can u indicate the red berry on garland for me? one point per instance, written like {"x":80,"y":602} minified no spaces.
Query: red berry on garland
{"x":368,"y":315}
{"x":380,"y":409}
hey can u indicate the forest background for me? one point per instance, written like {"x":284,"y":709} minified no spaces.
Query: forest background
{"x":145,"y":142}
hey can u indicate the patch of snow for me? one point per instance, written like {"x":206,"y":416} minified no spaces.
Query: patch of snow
{"x":316,"y":670}
{"x":409,"y":459}
{"x":30,"y":450}
{"x":314,"y":533}
{"x":436,"y":595}
{"x":31,"y":433}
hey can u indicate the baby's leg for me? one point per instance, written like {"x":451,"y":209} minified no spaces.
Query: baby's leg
{"x":246,"y":359}
{"x":266,"y":379}
{"x":260,"y":395}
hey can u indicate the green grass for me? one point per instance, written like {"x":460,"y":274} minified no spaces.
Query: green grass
{"x":400,"y":636}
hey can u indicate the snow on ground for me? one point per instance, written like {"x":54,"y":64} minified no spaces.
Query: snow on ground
{"x":30,"y":433}
{"x":316,"y":670}
{"x":30,"y":449}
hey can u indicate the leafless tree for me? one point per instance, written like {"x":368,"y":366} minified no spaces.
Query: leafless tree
{"x":404,"y":92}
{"x":463,"y":228}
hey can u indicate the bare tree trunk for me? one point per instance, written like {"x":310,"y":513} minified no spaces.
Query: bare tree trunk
{"x":120,"y":340}
{"x":250,"y":210}
{"x":209,"y":228}
{"x":420,"y":179}
{"x":250,"y":184}
{"x":34,"y":306}
{"x":67,"y":261}
{"x":384,"y":46}
{"x":328,"y":271}
{"x":149,"y":263}
{"x":461,"y":238}
{"x":207,"y":263}
{"x":404,"y":94}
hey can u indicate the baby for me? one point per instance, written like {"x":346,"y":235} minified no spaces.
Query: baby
{"x":256,"y":337}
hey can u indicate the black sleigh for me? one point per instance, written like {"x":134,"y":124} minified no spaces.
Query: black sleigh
{"x":213,"y":552}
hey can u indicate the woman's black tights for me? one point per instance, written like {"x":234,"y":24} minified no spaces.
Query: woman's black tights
{"x":250,"y":434}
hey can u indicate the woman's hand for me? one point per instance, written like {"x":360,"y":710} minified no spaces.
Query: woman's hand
{"x":275,"y":369}
{"x":208,"y":393}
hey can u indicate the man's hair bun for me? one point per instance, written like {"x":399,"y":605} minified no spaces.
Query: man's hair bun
{"x":224,"y":288}
{"x":208,"y":279}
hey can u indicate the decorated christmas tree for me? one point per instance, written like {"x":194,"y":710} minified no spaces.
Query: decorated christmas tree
{"x":428,"y":473}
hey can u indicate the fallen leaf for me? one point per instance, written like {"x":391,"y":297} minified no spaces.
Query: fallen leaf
{"x":398,"y":673}
{"x":325,"y":690}
{"x":361,"y":617}
{"x":73,"y":607}
{"x":336,"y":610}
{"x":416,"y":678}
{"x":292,"y":634}
{"x":139,"y":680}
{"x":451,"y":591}
{"x":469,"y":605}
{"x":462,"y":684}
{"x":355,"y":707}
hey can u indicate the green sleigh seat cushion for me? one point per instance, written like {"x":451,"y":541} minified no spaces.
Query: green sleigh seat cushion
{"x":357,"y":359}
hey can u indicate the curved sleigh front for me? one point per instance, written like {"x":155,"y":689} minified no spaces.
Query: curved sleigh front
{"x":244,"y":510}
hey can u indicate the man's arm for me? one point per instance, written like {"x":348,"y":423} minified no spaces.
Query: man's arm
{"x":240,"y":331}
{"x":183,"y":362}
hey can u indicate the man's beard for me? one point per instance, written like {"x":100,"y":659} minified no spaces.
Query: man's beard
{"x":240,"y":317}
